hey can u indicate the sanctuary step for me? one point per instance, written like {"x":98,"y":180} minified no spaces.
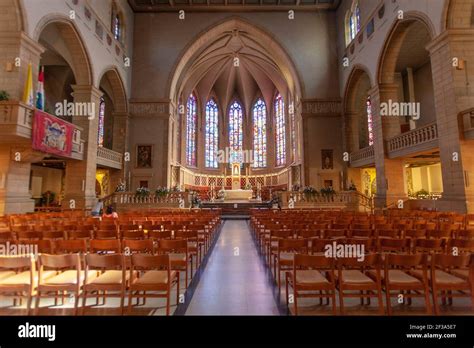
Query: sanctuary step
{"x":236,"y":209}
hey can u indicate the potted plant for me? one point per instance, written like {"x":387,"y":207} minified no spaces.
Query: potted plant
{"x":4,"y":96}
{"x":328,"y":192}
{"x":309,"y":193}
{"x":142,"y":192}
{"x":422,"y":194}
{"x":47,"y":198}
{"x":161,"y":192}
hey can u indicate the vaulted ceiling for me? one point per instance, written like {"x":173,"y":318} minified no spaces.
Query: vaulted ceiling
{"x":234,"y":65}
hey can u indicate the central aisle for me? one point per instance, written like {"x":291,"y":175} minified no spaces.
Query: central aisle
{"x":234,"y":281}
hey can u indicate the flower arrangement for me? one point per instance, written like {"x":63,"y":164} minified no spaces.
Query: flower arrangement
{"x":309,"y":190}
{"x":142,"y":192}
{"x":161,"y":191}
{"x":4,"y":96}
{"x":327,"y":191}
{"x":422,"y":194}
{"x":248,"y":186}
{"x":47,"y":198}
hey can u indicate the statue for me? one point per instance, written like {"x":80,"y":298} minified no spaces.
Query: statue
{"x":120,"y":187}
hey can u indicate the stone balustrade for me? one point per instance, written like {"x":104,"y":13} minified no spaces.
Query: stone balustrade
{"x":363,"y":157}
{"x":109,"y":158}
{"x":416,"y":140}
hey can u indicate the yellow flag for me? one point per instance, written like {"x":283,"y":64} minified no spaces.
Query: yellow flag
{"x":28,"y":96}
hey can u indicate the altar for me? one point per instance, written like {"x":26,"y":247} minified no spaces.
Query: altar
{"x":237,"y":195}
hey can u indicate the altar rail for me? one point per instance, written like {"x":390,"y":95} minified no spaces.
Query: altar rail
{"x":129,"y":200}
{"x":344,"y":200}
{"x":189,"y":178}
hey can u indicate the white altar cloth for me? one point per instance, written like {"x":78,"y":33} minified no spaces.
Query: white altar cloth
{"x":233,"y":195}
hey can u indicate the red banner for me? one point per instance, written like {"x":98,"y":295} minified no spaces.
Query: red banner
{"x":52,"y":135}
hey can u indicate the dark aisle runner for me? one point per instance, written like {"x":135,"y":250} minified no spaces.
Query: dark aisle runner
{"x":234,"y":281}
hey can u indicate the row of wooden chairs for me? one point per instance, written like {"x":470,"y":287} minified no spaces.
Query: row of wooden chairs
{"x":396,"y":275}
{"x":111,"y":275}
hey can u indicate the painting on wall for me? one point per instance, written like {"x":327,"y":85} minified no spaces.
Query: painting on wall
{"x":144,"y":156}
{"x":327,"y":159}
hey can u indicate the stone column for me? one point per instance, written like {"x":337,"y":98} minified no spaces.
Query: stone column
{"x":15,"y":172}
{"x":120,"y":144}
{"x":390,"y":172}
{"x":453,"y":93}
{"x":80,"y":175}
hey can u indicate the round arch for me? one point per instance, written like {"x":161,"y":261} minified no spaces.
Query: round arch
{"x":455,"y":15}
{"x":80,"y":59}
{"x":118,"y":89}
{"x":393,"y":43}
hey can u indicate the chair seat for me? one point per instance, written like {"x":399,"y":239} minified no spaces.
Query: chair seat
{"x":108,"y":277}
{"x":23,"y":278}
{"x":308,"y":277}
{"x":154,"y":277}
{"x":6,"y":274}
{"x":65,"y":278}
{"x":398,"y":276}
{"x":441,"y":277}
{"x":286,"y":258}
{"x":461,"y":273}
{"x":355,"y":277}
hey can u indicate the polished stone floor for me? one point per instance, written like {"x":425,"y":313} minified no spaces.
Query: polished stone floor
{"x":235,"y":280}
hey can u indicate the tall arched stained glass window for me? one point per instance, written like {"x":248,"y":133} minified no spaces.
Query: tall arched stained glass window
{"x":352,"y":22}
{"x":235,"y":132}
{"x":370,"y":121}
{"x":191,"y":123}
{"x":212,"y":135}
{"x":117,"y":30}
{"x":280,"y":131}
{"x":259,"y":134}
{"x":100,"y":134}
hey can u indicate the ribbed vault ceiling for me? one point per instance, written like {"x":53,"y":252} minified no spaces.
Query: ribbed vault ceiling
{"x":213,"y":71}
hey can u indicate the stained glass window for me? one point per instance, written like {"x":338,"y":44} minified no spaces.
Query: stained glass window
{"x":100,"y":134}
{"x":235,"y":132}
{"x":353,"y":22}
{"x":280,"y":131}
{"x":116,"y":27}
{"x":191,"y":122}
{"x":212,"y":135}
{"x":370,"y":124}
{"x":259,"y":134}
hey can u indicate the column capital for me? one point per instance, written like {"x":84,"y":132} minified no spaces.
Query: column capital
{"x":87,"y":90}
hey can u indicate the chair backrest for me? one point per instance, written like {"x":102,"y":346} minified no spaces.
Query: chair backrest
{"x":305,"y":261}
{"x":16,"y":262}
{"x":451,"y":261}
{"x":79,"y":234}
{"x":459,"y":245}
{"x":429,"y":245}
{"x":71,"y":246}
{"x":405,"y":260}
{"x":105,"y":245}
{"x":105,"y":234}
{"x":138,"y":246}
{"x":59,"y":262}
{"x":158,"y":235}
{"x":393,"y":244}
{"x":53,"y":235}
{"x":103,"y":262}
{"x":173,"y":245}
{"x":359,"y":261}
{"x":146,"y":261}
{"x":132,"y":234}
{"x":320,"y":245}
{"x":293,"y":245}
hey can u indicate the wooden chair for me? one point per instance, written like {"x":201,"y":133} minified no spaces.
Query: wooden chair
{"x":445,"y":280}
{"x":79,"y":234}
{"x":17,"y":278}
{"x":177,"y":249}
{"x":311,"y":273}
{"x":283,"y":258}
{"x":152,"y":273}
{"x":69,"y":277}
{"x":399,"y":276}
{"x":364,"y":276}
{"x":105,"y":273}
{"x":429,"y":245}
{"x":195,"y":245}
{"x":132,"y":234}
